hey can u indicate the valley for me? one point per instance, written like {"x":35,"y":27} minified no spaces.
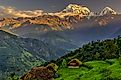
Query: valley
{"x":37,"y":38}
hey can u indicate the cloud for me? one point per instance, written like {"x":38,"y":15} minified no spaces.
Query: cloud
{"x":19,"y":13}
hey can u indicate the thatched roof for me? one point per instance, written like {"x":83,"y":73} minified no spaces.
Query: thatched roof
{"x":74,"y":62}
{"x":39,"y":73}
{"x":44,"y":73}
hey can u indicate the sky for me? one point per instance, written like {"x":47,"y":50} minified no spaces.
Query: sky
{"x":57,"y":5}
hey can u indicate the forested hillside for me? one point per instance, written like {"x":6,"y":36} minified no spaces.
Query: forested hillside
{"x":98,"y":60}
{"x":96,"y":50}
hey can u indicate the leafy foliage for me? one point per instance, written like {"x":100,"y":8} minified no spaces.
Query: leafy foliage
{"x":64,"y":63}
{"x":98,"y":50}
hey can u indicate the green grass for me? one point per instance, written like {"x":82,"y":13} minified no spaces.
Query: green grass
{"x":101,"y":70}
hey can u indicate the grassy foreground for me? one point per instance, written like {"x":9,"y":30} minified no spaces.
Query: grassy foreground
{"x":99,"y":70}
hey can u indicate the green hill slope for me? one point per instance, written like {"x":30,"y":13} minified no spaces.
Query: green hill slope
{"x":101,"y":60}
{"x":98,"y":50}
{"x":101,"y":70}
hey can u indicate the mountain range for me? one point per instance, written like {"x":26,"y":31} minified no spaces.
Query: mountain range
{"x":64,"y":25}
{"x":58,"y":20}
{"x":51,"y":35}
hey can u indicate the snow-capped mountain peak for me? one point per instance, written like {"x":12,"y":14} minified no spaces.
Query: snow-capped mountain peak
{"x":107,"y":10}
{"x":77,"y":9}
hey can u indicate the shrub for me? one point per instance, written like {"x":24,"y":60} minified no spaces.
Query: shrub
{"x":64,"y":63}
